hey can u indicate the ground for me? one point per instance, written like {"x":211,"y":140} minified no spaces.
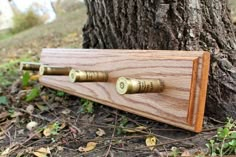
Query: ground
{"x":38,"y":121}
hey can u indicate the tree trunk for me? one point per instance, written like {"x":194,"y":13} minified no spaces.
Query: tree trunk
{"x":172,"y":25}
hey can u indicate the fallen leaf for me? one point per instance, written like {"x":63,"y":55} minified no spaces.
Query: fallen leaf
{"x":133,"y":130}
{"x":100,"y":132}
{"x":16,"y":114}
{"x":45,"y":97}
{"x":60,"y":148}
{"x":30,"y":109}
{"x":31,"y":125}
{"x":2,"y":137}
{"x":90,"y":146}
{"x":66,"y":111}
{"x":34,"y":77}
{"x":42,"y":152}
{"x":42,"y":107}
{"x":5,"y":152}
{"x":52,"y":129}
{"x":4,"y":115}
{"x":21,"y":132}
{"x":151,"y":142}
{"x":63,"y":125}
{"x":186,"y":153}
{"x":47,"y":131}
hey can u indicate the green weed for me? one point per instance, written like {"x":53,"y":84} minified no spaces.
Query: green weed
{"x":34,"y":93}
{"x":60,"y":93}
{"x":3,"y":100}
{"x":25,"y":79}
{"x":175,"y":152}
{"x":87,"y":106}
{"x":224,"y":142}
{"x":122,"y":123}
{"x":10,"y":71}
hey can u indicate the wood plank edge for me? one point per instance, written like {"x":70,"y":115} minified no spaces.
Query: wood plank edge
{"x":203,"y":91}
{"x":192,"y":92}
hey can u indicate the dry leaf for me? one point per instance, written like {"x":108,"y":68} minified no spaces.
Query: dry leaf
{"x":47,"y":131}
{"x":42,"y":152}
{"x":100,"y":132}
{"x":60,"y":148}
{"x":66,"y":111}
{"x":133,"y":130}
{"x":30,"y":109}
{"x":90,"y":146}
{"x":4,"y":115}
{"x":52,"y":129}
{"x":45,"y":97}
{"x":151,"y":141}
{"x":6,"y":152}
{"x":34,"y":77}
{"x":63,"y":125}
{"x":42,"y":107}
{"x":186,"y":153}
{"x":16,"y":114}
{"x":31,"y":125}
{"x":2,"y":137}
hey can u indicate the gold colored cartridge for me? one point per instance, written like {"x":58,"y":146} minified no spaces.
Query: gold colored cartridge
{"x":54,"y":70}
{"x":88,"y":76}
{"x":34,"y":66}
{"x":132,"y":86}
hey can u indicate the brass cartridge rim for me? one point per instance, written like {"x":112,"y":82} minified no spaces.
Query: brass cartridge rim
{"x":123,"y":85}
{"x":72,"y":75}
{"x":41,"y":70}
{"x":22,"y":65}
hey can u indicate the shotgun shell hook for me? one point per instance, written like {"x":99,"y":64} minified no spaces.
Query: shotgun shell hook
{"x":53,"y":70}
{"x":30,"y":66}
{"x":88,"y":76}
{"x":132,"y":86}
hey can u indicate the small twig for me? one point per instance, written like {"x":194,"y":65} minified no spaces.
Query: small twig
{"x":215,"y":120}
{"x":113,"y":134}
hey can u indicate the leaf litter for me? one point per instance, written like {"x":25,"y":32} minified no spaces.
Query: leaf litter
{"x":66,"y":125}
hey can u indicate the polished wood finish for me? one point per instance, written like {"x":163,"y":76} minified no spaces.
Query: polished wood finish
{"x":185,"y":75}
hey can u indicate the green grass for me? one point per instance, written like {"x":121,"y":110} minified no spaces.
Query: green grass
{"x":65,"y":24}
{"x":27,"y":45}
{"x":9,"y":71}
{"x":5,"y":34}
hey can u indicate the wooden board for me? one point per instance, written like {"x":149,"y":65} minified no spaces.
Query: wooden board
{"x":185,"y":75}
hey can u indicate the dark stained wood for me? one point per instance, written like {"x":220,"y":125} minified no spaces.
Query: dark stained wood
{"x":184,"y":73}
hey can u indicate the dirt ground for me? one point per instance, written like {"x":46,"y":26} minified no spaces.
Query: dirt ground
{"x":71,"y":122}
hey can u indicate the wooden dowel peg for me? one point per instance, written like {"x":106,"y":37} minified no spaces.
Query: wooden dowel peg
{"x":88,"y":76}
{"x":54,"y":70}
{"x":132,"y":86}
{"x":34,"y":66}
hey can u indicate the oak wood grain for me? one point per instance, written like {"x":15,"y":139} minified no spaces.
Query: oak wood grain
{"x":184,"y":73}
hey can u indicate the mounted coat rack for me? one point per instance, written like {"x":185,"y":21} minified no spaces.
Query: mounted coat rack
{"x":167,"y":86}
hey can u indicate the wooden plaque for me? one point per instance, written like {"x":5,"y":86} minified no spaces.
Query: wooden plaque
{"x":185,"y":74}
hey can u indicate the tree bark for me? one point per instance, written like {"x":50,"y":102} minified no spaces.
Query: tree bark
{"x":172,"y":25}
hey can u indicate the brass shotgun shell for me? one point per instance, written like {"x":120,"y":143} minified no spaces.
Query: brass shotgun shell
{"x":132,"y":86}
{"x":30,"y":66}
{"x":88,"y":76}
{"x":54,"y":70}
